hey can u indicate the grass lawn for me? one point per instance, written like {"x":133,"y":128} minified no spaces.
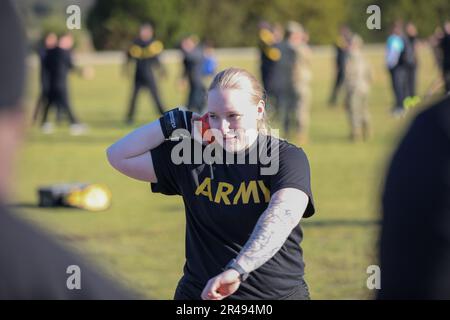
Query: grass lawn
{"x":140,"y":239}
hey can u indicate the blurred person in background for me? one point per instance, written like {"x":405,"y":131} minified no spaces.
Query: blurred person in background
{"x":242,"y":225}
{"x":50,"y":42}
{"x":395,"y":61}
{"x":341,"y":47}
{"x":209,"y":60}
{"x":414,"y":247}
{"x":32,"y":264}
{"x":193,"y":72}
{"x":357,"y":84}
{"x":302,"y":80}
{"x":444,"y":46}
{"x":58,"y":62}
{"x":435,"y":43}
{"x":269,"y":54}
{"x":145,"y":52}
{"x":284,"y":80}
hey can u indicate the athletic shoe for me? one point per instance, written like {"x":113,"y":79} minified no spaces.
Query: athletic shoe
{"x":47,"y":128}
{"x":78,"y":129}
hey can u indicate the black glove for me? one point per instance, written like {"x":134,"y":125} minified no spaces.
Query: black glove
{"x":175,"y":119}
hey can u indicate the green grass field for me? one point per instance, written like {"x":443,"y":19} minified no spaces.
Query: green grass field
{"x":140,"y":239}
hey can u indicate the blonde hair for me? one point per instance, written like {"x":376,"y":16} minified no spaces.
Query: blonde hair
{"x":241,"y":79}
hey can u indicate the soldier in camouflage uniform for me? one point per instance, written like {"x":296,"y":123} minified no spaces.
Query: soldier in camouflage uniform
{"x":302,"y":83}
{"x":357,"y":85}
{"x":287,"y":96}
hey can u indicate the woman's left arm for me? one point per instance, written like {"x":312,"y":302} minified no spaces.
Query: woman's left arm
{"x":285,"y":209}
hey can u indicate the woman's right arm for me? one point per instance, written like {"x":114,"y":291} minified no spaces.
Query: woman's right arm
{"x":130,"y":155}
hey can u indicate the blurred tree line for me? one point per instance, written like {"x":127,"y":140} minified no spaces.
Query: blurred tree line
{"x":230,"y":23}
{"x":43,"y":16}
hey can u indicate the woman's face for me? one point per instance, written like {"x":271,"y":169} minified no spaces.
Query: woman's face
{"x":234,"y":114}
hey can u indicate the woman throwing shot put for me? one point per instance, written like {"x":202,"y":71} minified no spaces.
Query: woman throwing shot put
{"x":244,"y":193}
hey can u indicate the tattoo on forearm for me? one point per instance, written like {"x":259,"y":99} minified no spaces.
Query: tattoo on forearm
{"x":269,"y":235}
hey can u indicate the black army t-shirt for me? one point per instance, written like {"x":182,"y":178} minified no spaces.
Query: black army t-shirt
{"x":223,"y":203}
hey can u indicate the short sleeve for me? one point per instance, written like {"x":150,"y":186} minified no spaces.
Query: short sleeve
{"x":293,"y":172}
{"x":166,"y":171}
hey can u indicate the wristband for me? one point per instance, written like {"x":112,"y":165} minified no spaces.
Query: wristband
{"x":243,"y":275}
